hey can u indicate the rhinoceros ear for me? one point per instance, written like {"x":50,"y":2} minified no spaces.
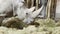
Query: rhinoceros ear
{"x":31,"y":9}
{"x":35,"y":13}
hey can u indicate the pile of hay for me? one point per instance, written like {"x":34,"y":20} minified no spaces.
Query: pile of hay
{"x":46,"y":26}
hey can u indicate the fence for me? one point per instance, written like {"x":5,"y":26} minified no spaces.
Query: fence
{"x":31,"y":3}
{"x":50,"y":8}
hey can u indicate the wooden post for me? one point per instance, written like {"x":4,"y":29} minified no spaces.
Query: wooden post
{"x":37,"y":4}
{"x":32,"y":3}
{"x":48,"y":8}
{"x":27,"y":3}
{"x":51,"y":7}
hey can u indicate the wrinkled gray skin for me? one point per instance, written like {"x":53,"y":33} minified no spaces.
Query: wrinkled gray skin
{"x":23,"y":13}
{"x":32,"y":15}
{"x":8,"y":5}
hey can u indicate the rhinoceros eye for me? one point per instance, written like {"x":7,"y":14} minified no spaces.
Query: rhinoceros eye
{"x":26,"y":13}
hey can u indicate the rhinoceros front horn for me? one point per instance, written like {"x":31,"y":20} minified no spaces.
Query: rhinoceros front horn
{"x":35,"y":13}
